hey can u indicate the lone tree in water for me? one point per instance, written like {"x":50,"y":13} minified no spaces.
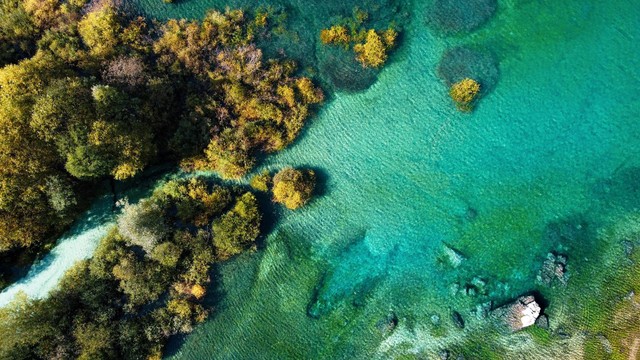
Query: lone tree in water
{"x":464,"y":93}
{"x":293,"y":188}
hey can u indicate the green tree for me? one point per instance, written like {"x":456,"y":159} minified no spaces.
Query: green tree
{"x":238,"y":228}
{"x":261,"y":181}
{"x":100,"y":31}
{"x":17,"y":32}
{"x":464,"y":93}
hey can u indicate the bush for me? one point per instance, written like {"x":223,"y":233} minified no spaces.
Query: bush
{"x":373,"y":53}
{"x":293,"y":188}
{"x":261,"y":181}
{"x":167,"y":254}
{"x":464,"y":93}
{"x":336,"y":34}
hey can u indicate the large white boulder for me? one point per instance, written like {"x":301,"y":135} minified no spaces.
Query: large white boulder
{"x":519,"y":314}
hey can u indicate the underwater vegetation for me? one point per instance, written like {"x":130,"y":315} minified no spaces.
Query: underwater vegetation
{"x":463,"y":62}
{"x":452,"y":17}
{"x":371,"y":46}
{"x":455,"y":17}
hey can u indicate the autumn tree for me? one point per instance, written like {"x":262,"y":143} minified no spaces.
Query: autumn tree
{"x":293,"y":188}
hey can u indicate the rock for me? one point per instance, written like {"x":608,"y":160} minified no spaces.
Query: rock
{"x":388,"y":324}
{"x":553,"y":269}
{"x":543,"y":321}
{"x":482,"y":310}
{"x":451,"y":17}
{"x":606,"y":344}
{"x":457,"y":319}
{"x":444,"y":354}
{"x":470,"y":291}
{"x":519,"y":314}
{"x":454,"y":288}
{"x":453,"y":256}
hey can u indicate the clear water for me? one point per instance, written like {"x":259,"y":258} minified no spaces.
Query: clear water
{"x":403,"y":172}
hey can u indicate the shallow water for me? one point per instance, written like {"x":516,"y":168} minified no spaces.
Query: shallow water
{"x":403,"y":172}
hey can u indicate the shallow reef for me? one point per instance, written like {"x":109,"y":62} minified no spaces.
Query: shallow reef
{"x":463,"y":62}
{"x":341,"y":71}
{"x":459,"y":16}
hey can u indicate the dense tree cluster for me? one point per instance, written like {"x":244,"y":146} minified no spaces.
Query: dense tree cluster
{"x":252,"y":105}
{"x":88,"y":93}
{"x":293,"y":188}
{"x":145,"y":282}
{"x":370,"y":46}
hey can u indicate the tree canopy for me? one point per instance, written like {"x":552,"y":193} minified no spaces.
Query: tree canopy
{"x":293,"y":188}
{"x":89,"y":93}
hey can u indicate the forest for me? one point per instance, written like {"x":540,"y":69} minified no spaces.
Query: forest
{"x":88,"y":93}
{"x":91,"y":93}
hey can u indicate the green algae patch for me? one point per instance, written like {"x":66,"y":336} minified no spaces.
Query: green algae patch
{"x":498,"y":241}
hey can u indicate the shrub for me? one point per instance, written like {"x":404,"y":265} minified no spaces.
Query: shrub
{"x":167,"y":254}
{"x":464,"y":93}
{"x":261,"y":181}
{"x":336,"y":34}
{"x":293,"y":188}
{"x":373,"y":53}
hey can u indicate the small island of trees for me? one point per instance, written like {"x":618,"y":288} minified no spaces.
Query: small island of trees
{"x":464,"y":93}
{"x":293,"y":188}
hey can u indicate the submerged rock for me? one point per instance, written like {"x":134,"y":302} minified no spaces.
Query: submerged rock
{"x":444,"y":354}
{"x":519,"y":314}
{"x":454,"y":16}
{"x":479,"y":284}
{"x":388,"y":324}
{"x":340,"y":69}
{"x":435,"y":319}
{"x":457,"y":319}
{"x":452,"y":256}
{"x":482,"y":310}
{"x":606,"y":344}
{"x":628,"y":247}
{"x":553,"y":269}
{"x":454,"y":289}
{"x":470,"y":291}
{"x":543,"y":321}
{"x":352,"y":280}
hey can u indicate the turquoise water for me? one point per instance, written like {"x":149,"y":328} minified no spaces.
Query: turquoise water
{"x":402,"y":172}
{"x":405,"y":172}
